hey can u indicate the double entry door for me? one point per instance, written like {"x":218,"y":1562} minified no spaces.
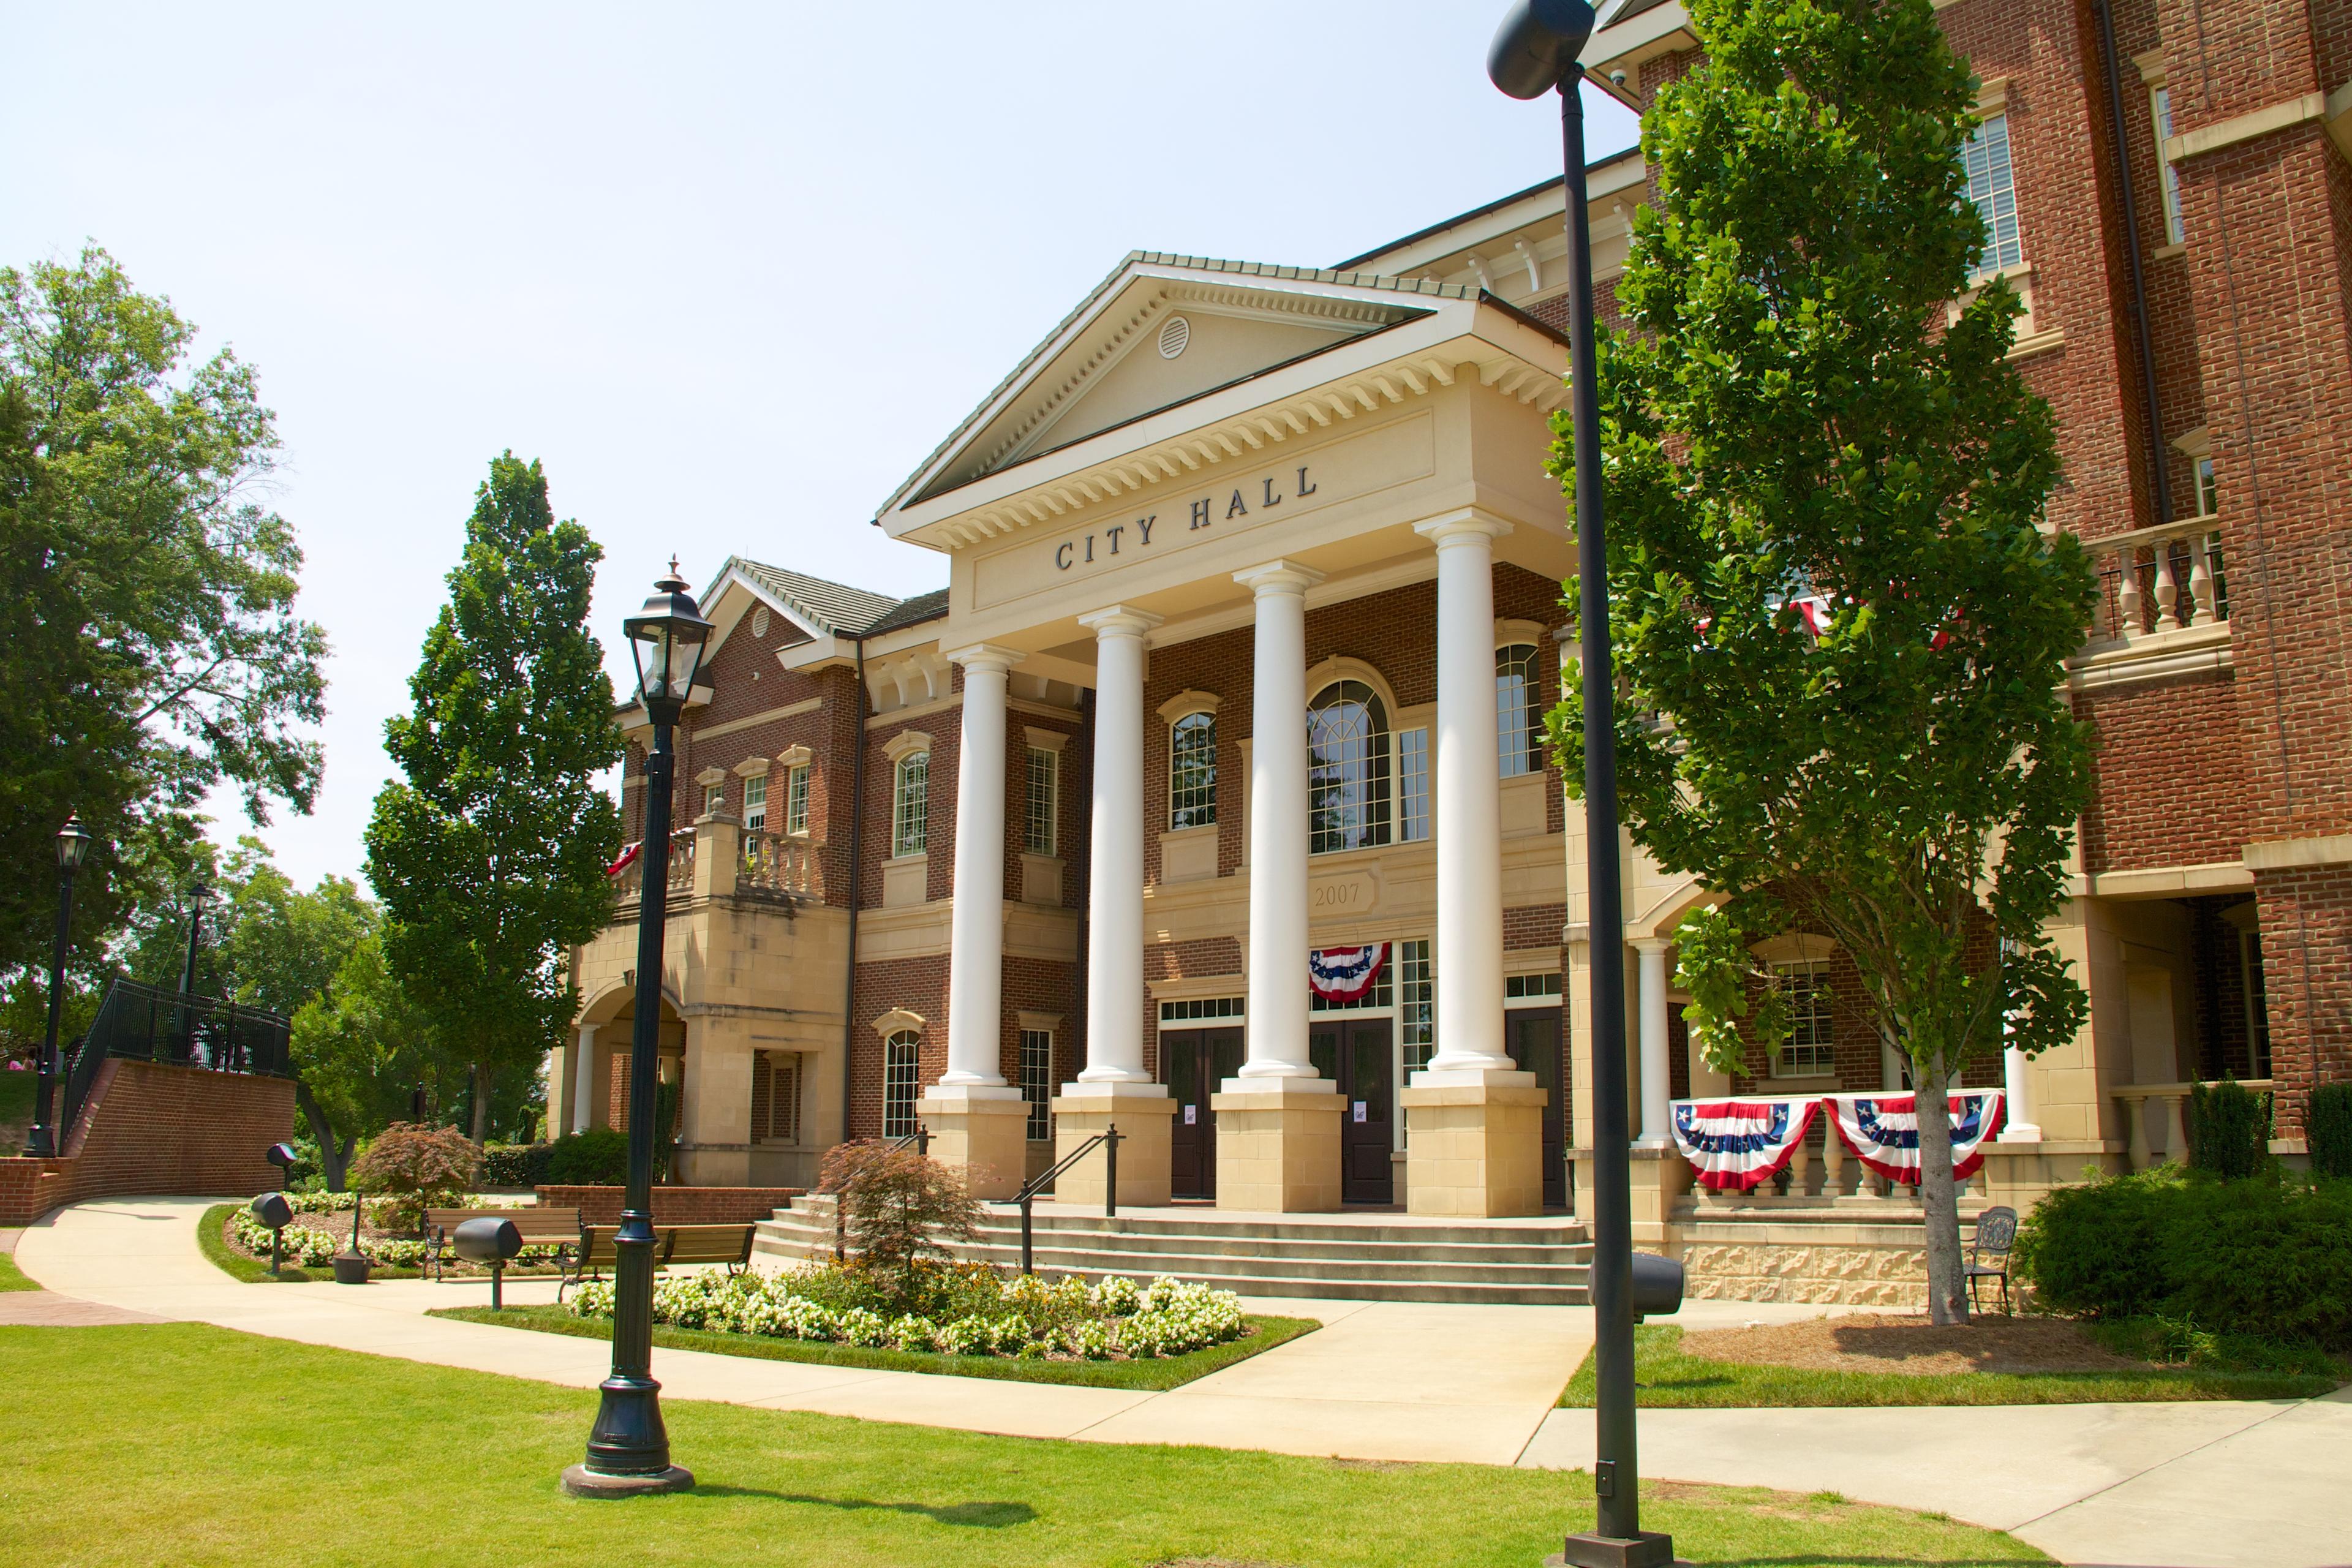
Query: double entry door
{"x":1531,"y":1035}
{"x":1355,"y":1054}
{"x":1196,"y":1062}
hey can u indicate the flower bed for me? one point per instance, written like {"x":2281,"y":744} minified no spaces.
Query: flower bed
{"x":1023,"y":1318}
{"x":314,"y":1246}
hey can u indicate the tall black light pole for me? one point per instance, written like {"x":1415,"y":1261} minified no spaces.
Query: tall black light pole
{"x":73,"y":846}
{"x":1534,"y":52}
{"x":628,"y":1447}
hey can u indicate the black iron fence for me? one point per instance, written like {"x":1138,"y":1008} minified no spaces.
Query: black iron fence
{"x":148,"y":1024}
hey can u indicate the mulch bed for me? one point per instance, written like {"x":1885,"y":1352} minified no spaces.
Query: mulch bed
{"x":1904,"y":1344}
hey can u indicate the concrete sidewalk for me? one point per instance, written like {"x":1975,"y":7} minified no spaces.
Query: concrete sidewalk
{"x":2188,"y":1485}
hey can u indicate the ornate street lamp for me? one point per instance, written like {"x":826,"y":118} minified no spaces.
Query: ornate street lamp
{"x":1534,"y":52}
{"x":628,"y":1447}
{"x":73,"y":847}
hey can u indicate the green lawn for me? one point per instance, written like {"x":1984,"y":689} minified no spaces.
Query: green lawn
{"x":1164,"y":1373}
{"x":192,"y":1444}
{"x":16,"y":1099}
{"x":13,"y":1278}
{"x":1668,"y":1379}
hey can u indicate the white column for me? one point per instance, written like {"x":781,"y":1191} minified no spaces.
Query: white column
{"x":1656,"y":1085}
{"x":976,"y":959}
{"x":1115,"y":878}
{"x":1277,"y":825}
{"x":2017,"y":1124}
{"x":583,"y":1075}
{"x":1468,"y":786}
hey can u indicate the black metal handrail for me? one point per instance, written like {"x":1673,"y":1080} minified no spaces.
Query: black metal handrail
{"x":145,"y":1023}
{"x":1109,"y":1138}
{"x":921,"y":1139}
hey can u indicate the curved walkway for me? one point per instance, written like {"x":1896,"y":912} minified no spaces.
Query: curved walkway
{"x":2188,"y":1485}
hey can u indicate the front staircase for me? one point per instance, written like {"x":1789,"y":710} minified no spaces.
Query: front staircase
{"x":1359,"y":1257}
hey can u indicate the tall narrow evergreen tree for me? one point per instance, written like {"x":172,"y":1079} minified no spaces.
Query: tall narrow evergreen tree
{"x":1832,"y":601}
{"x":490,"y":859}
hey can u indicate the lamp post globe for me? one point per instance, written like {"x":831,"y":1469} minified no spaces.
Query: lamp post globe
{"x":1536,"y":50}
{"x":628,"y":1447}
{"x":73,"y":847}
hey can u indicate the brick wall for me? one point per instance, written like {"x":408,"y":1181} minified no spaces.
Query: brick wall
{"x":153,"y":1130}
{"x":675,"y":1205}
{"x":2171,"y":773}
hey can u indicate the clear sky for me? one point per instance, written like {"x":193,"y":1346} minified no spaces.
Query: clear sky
{"x":728,"y":271}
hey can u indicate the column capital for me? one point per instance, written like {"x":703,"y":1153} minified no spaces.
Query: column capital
{"x":1650,"y":943}
{"x":986,"y":656}
{"x":1120,"y":621}
{"x":1455,"y":527}
{"x":1279,"y":578}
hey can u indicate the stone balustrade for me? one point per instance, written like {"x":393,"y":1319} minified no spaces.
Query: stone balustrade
{"x":629,"y":882}
{"x":2158,"y":580}
{"x":2171,"y":1106}
{"x":781,"y":866}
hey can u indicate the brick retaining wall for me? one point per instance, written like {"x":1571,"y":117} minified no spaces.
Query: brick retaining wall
{"x":675,"y":1205}
{"x":155,"y":1130}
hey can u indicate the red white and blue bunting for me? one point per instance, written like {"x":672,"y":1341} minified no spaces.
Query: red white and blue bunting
{"x":1344,"y":974}
{"x":1735,"y":1146}
{"x":1882,"y":1130}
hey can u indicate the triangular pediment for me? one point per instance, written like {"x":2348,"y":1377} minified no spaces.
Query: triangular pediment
{"x":1160,"y":332}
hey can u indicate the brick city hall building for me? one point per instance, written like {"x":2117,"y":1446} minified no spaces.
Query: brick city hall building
{"x":1208,"y":797}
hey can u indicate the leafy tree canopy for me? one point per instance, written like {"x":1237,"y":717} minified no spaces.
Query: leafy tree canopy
{"x":154,"y":651}
{"x":1835,"y":614}
{"x":489,"y":854}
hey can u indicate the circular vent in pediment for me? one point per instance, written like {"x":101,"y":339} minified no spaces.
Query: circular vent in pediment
{"x":760,"y":622}
{"x":1174,"y":336}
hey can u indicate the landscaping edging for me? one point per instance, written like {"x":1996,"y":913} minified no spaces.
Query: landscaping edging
{"x":674,"y":1205}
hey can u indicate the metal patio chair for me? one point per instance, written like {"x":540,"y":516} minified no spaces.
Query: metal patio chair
{"x":1996,"y":1233}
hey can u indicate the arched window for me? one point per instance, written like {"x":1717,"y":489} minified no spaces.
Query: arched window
{"x":1346,"y":769}
{"x":901,"y":1054}
{"x":910,"y":804}
{"x":1519,"y":710}
{"x":1193,"y":770}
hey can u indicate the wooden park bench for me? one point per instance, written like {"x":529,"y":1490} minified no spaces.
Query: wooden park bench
{"x":726,"y":1244}
{"x":540,"y":1226}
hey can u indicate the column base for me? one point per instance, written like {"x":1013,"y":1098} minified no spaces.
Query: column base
{"x":1143,"y":1113}
{"x":1277,"y":1145}
{"x":2024,"y":1132}
{"x":1475,"y":1150}
{"x":983,"y":1133}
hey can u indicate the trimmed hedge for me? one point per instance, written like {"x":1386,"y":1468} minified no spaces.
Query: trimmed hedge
{"x":2229,"y":1130}
{"x":2265,"y":1257}
{"x":2327,"y":1129}
{"x":596,"y":1158}
{"x":516,"y":1164}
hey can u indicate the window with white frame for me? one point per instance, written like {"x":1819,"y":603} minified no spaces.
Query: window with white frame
{"x":1037,"y":1082}
{"x":1044,"y":801}
{"x":2209,"y":494}
{"x":2159,"y":104}
{"x":755,"y":803}
{"x":901,"y":1065}
{"x":1993,"y":188}
{"x":1346,"y":769}
{"x":714,"y":799}
{"x":1416,"y":1004}
{"x":910,"y":785}
{"x":1531,"y":989}
{"x":796,"y":798}
{"x":1413,"y":785}
{"x":1193,"y":770}
{"x":1809,"y":1050}
{"x":1518,"y":712}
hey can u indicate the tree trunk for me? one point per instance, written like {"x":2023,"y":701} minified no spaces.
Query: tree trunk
{"x":334,"y":1158}
{"x":1939,"y":1198}
{"x":481,"y":1103}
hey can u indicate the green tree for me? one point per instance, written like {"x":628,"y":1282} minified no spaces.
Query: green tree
{"x":361,"y":1045}
{"x":1810,"y":411}
{"x":154,"y":652}
{"x":490,"y":856}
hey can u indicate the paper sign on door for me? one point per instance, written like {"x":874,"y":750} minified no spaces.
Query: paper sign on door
{"x":1191,"y":1116}
{"x":1359,"y":1110}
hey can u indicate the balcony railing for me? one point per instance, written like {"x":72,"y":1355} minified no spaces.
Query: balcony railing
{"x":718,"y":859}
{"x":629,"y":883}
{"x":778,"y":864}
{"x":2157,"y":580}
{"x":2169,"y":1103}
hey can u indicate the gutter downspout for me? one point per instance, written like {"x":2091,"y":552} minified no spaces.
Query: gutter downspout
{"x":2152,"y":409}
{"x":857,"y":885}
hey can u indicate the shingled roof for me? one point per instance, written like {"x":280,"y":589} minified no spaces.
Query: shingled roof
{"x":836,"y":607}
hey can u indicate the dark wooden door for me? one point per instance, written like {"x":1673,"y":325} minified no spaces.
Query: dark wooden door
{"x":1532,"y":1036}
{"x":1195,"y":1063}
{"x":1355,"y":1053}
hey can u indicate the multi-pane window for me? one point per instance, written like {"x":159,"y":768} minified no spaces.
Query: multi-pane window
{"x":1519,"y":715}
{"x":1346,"y":769}
{"x":755,"y":803}
{"x":1807,"y":1052}
{"x":1193,"y":770}
{"x":901,"y":1054}
{"x":1195,"y":1009}
{"x":1416,"y":1004}
{"x":1994,"y":191}
{"x":714,"y":799}
{"x":1413,"y":785}
{"x":2160,"y":101}
{"x":1531,"y":987}
{"x":2258,"y":1002}
{"x":796,"y":798}
{"x":1044,"y":801}
{"x":910,"y":790}
{"x":1037,"y":1082}
{"x":2209,"y":494}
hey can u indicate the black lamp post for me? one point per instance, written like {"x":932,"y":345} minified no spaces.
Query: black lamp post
{"x":1534,"y":52}
{"x":628,"y":1447}
{"x":73,"y":846}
